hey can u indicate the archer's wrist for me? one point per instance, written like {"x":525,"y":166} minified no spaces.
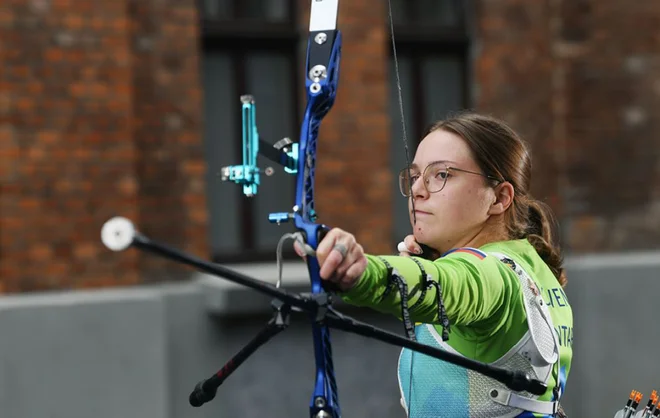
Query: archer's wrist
{"x":362,"y":292}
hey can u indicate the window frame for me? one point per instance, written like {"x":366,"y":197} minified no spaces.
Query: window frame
{"x":237,"y":37}
{"x":418,"y":42}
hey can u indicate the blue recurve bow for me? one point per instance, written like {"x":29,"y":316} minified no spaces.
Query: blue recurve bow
{"x":321,"y":81}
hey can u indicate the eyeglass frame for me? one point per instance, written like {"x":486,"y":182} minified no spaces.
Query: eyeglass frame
{"x":408,"y":191}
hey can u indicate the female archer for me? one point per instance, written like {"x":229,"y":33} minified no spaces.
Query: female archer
{"x":492,"y":290}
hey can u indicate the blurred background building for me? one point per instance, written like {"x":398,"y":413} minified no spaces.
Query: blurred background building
{"x":127,"y":107}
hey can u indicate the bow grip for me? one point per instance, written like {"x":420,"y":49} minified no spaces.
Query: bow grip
{"x":321,"y":231}
{"x":329,"y":287}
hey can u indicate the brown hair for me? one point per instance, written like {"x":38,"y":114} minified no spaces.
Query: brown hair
{"x":500,"y":152}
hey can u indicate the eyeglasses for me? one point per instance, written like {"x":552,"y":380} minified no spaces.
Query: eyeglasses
{"x":435,"y":177}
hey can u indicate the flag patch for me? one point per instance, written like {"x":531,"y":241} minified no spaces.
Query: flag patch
{"x":475,"y":252}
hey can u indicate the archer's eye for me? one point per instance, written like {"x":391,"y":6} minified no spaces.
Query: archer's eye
{"x":440,"y":174}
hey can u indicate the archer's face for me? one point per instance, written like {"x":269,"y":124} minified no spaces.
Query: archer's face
{"x":453,"y":216}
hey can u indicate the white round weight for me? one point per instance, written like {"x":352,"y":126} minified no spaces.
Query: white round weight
{"x":117,"y":233}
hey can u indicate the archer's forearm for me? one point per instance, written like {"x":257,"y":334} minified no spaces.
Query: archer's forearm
{"x":470,"y":292}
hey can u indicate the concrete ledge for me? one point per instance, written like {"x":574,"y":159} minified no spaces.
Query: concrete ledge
{"x":78,"y":297}
{"x":223,"y":297}
{"x":613,"y":260}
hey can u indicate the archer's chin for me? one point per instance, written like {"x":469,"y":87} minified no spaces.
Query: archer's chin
{"x":421,"y":233}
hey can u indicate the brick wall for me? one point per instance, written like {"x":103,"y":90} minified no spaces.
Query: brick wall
{"x":579,"y":80}
{"x":513,"y":76}
{"x":167,"y":108}
{"x":613,"y":93}
{"x":100,"y":114}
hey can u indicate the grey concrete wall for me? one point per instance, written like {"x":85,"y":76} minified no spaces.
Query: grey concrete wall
{"x":139,"y":352}
{"x":616,"y":331}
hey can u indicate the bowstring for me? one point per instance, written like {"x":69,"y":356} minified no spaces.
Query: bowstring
{"x":407,"y":155}
{"x":401,"y":111}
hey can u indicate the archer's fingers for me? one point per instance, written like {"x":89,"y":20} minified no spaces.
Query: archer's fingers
{"x":299,"y":250}
{"x":327,"y":243}
{"x":331,"y":258}
{"x":402,"y":249}
{"x":351,"y":268}
{"x":330,"y":264}
{"x":411,"y":245}
{"x":353,"y":256}
{"x":353,"y":274}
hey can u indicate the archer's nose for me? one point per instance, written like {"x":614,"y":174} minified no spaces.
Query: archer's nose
{"x":418,"y":189}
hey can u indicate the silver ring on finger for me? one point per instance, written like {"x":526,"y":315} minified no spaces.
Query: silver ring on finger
{"x":341,"y":248}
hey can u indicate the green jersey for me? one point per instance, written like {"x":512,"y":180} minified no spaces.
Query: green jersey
{"x":484,"y":300}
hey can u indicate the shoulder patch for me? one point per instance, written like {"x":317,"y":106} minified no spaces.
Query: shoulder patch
{"x":469,"y":250}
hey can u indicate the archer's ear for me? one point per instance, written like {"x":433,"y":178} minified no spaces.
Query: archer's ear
{"x":504,"y":194}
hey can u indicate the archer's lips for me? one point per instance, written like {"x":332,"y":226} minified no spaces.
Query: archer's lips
{"x":421,"y":212}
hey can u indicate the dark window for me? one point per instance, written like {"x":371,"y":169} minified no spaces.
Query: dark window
{"x":249,"y":47}
{"x":432,"y":46}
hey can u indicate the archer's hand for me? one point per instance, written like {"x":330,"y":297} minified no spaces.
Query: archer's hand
{"x":409,"y":246}
{"x":341,"y":258}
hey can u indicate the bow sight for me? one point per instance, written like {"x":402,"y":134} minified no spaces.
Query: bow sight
{"x":283,"y":152}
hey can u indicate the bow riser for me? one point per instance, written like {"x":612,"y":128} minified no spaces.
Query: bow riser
{"x":323,"y":57}
{"x":322,"y":77}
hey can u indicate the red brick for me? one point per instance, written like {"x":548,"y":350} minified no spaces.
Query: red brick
{"x":72,"y":146}
{"x":87,"y":251}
